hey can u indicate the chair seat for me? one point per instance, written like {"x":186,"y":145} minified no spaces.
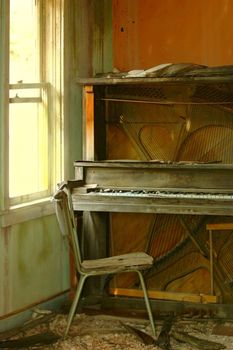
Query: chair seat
{"x":130,"y":261}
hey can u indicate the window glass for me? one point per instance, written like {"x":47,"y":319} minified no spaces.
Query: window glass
{"x":28,"y":111}
{"x":23,"y":41}
{"x":27,"y":149}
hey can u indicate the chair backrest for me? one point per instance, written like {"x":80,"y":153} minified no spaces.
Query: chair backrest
{"x":65,"y":215}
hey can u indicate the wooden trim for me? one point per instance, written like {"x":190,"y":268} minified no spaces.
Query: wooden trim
{"x":194,"y":298}
{"x":27,"y":212}
{"x":88,"y":119}
{"x":220,"y":226}
{"x":194,"y":166}
{"x":25,"y":100}
{"x":32,"y":86}
{"x":4,"y":107}
{"x":143,"y":80}
{"x":28,"y":307}
{"x":166,"y":102}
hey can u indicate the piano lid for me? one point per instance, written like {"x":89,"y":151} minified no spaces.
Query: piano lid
{"x":154,"y":163}
{"x":152,"y":175}
{"x":165,"y":73}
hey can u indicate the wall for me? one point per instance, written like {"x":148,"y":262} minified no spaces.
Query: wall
{"x":150,"y":32}
{"x":34,"y":264}
{"x":88,"y":51}
{"x":147,"y":33}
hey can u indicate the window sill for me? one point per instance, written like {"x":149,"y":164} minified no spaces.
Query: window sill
{"x":27,"y":212}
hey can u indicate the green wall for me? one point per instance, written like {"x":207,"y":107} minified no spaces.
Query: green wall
{"x":34,"y":260}
{"x":34,"y":263}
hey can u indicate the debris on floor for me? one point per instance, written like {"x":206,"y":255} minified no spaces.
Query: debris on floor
{"x":107,"y":332}
{"x":32,"y":340}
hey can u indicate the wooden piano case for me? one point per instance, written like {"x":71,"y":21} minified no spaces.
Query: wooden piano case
{"x":175,"y":123}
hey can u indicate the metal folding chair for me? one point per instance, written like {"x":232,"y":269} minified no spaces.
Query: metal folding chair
{"x":85,"y":268}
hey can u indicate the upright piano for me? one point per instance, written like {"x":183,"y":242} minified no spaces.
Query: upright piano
{"x":157,"y":168}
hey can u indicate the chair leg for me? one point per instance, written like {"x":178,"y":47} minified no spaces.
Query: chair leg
{"x":147,"y":302}
{"x":75,"y":303}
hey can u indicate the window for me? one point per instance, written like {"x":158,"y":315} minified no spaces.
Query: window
{"x":35,"y":149}
{"x":28,"y":142}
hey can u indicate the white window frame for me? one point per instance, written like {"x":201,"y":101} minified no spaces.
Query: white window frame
{"x":13,"y":211}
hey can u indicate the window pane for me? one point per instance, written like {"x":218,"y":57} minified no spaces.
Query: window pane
{"x":28,"y":118}
{"x":23,"y":41}
{"x":28,"y":149}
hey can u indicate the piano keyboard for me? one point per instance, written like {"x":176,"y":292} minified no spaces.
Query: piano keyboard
{"x":159,"y":194}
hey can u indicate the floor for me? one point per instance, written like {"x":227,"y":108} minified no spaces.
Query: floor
{"x":109,"y":332}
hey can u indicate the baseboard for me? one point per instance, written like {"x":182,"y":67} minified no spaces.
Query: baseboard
{"x":18,"y":318}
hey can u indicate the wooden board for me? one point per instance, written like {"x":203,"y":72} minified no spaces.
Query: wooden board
{"x":195,"y":298}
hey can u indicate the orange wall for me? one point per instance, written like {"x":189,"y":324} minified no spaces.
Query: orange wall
{"x":151,"y":32}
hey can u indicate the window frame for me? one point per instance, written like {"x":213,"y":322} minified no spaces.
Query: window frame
{"x":14,"y":211}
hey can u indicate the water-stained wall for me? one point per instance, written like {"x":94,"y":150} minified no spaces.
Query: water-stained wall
{"x":33,"y":265}
{"x":147,"y":32}
{"x":34,"y":260}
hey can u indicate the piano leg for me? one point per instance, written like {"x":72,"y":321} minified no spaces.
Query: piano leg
{"x":211,"y":228}
{"x":211,"y":263}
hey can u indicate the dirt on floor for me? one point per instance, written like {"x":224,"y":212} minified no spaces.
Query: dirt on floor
{"x":108,"y":332}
